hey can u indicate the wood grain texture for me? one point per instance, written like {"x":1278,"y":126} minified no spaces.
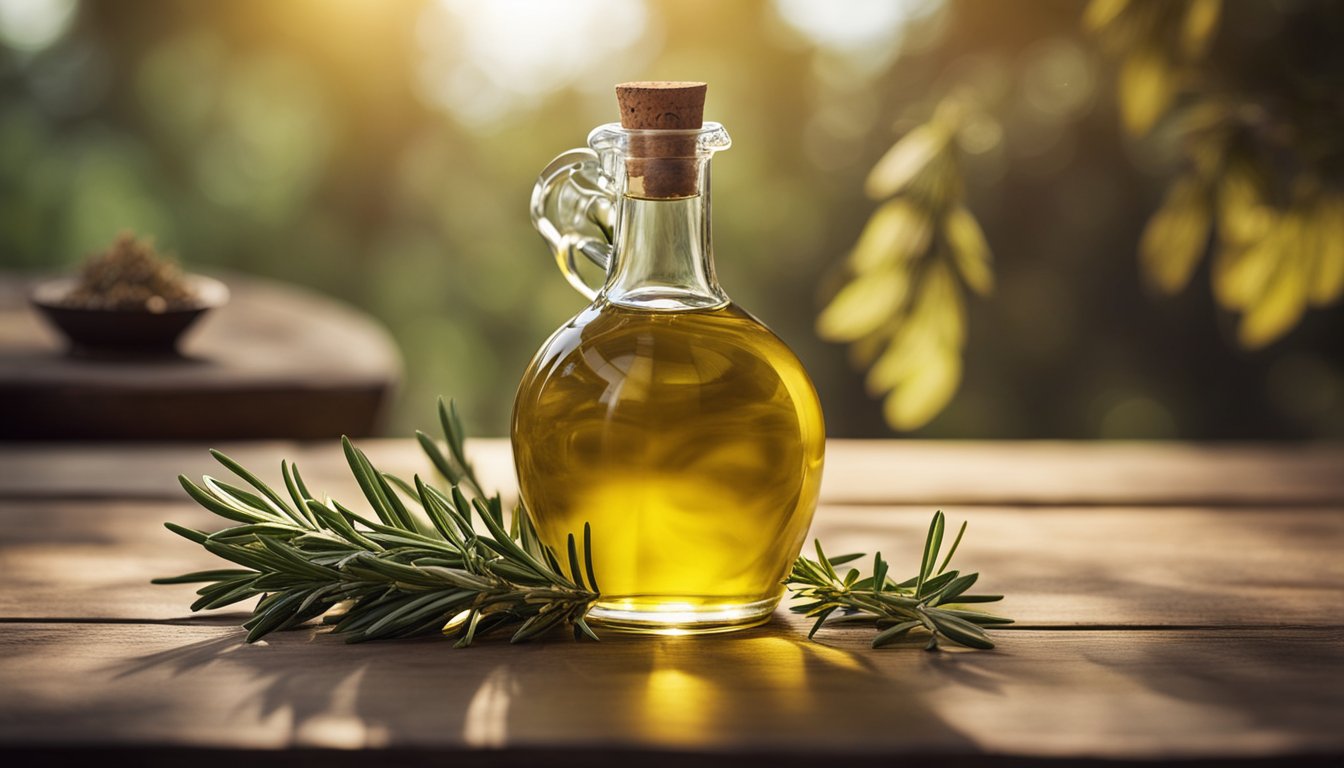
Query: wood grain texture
{"x":857,"y":471}
{"x":1029,"y":473}
{"x":1176,"y":603}
{"x":1115,"y":566}
{"x":1133,"y":695}
{"x":276,"y":361}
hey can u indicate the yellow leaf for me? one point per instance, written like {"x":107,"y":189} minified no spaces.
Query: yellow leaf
{"x":909,"y":349}
{"x":1100,"y":13}
{"x":939,"y":306}
{"x":863,"y":305}
{"x":905,"y":160}
{"x":934,"y":327}
{"x":924,"y":393}
{"x":1240,"y":275}
{"x":969,"y":249}
{"x":1176,"y":235}
{"x":1197,"y":28}
{"x":1326,"y":279}
{"x":1147,"y":87}
{"x":895,"y":232}
{"x":1283,"y":298}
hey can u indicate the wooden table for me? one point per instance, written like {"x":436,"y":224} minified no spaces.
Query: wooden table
{"x":275,"y":362}
{"x":1175,"y":603}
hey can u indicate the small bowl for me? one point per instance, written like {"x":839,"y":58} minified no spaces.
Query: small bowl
{"x":125,"y":330}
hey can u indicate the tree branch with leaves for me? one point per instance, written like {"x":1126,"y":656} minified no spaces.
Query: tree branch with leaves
{"x":903,"y":308}
{"x":1261,"y":189}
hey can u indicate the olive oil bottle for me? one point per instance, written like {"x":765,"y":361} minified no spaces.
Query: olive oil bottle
{"x":663,"y":415}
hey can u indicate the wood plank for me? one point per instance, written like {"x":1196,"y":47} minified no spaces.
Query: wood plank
{"x":1136,"y":695}
{"x":857,"y":471}
{"x":1109,"y":566}
{"x":94,"y":560}
{"x":149,"y":471}
{"x":1131,"y":473}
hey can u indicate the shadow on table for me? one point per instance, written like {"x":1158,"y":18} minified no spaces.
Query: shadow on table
{"x":1241,"y":673}
{"x":760,"y":691}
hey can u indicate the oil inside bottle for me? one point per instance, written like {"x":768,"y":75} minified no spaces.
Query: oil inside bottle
{"x":691,"y":442}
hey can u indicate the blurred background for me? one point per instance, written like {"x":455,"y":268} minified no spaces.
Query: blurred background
{"x":383,"y":153}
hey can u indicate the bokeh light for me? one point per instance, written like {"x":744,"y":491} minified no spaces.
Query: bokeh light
{"x":1057,"y":78}
{"x":859,"y":24}
{"x":31,"y":25}
{"x":485,"y":61}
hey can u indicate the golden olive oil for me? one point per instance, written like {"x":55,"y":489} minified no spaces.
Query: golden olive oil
{"x":691,"y":442}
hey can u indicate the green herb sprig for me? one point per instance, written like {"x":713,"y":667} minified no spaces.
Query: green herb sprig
{"x":934,"y":601}
{"x":423,"y":566}
{"x":398,"y":576}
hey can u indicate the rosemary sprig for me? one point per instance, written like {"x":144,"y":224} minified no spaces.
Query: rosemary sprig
{"x":423,"y":566}
{"x":934,"y":600}
{"x":406,"y":573}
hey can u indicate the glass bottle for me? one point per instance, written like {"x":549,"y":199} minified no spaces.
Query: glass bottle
{"x":671,"y":420}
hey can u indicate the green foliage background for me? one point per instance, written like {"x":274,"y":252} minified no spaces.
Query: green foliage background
{"x":291,"y":140}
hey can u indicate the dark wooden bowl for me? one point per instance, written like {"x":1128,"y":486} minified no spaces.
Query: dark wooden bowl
{"x":130,"y":331}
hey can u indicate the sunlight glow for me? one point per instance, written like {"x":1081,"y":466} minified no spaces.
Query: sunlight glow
{"x":677,"y":704}
{"x":31,"y":25}
{"x":484,"y":61}
{"x":486,"y":723}
{"x":855,"y":23}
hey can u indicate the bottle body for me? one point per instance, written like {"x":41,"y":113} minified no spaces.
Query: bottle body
{"x":674,"y":424}
{"x":691,"y":441}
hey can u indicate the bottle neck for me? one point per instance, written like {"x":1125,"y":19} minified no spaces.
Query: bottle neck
{"x":663,"y":257}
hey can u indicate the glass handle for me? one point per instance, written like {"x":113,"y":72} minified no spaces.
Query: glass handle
{"x":573,"y":207}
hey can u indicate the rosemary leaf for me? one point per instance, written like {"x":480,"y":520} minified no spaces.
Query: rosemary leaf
{"x":897,"y":609}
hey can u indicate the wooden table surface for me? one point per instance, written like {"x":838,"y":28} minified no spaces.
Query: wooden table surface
{"x":276,"y":361}
{"x":1174,"y":603}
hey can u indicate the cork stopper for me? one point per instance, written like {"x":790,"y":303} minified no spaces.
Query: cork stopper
{"x":662,"y":166}
{"x":661,"y":105}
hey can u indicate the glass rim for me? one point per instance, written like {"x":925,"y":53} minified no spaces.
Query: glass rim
{"x":709,"y":138}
